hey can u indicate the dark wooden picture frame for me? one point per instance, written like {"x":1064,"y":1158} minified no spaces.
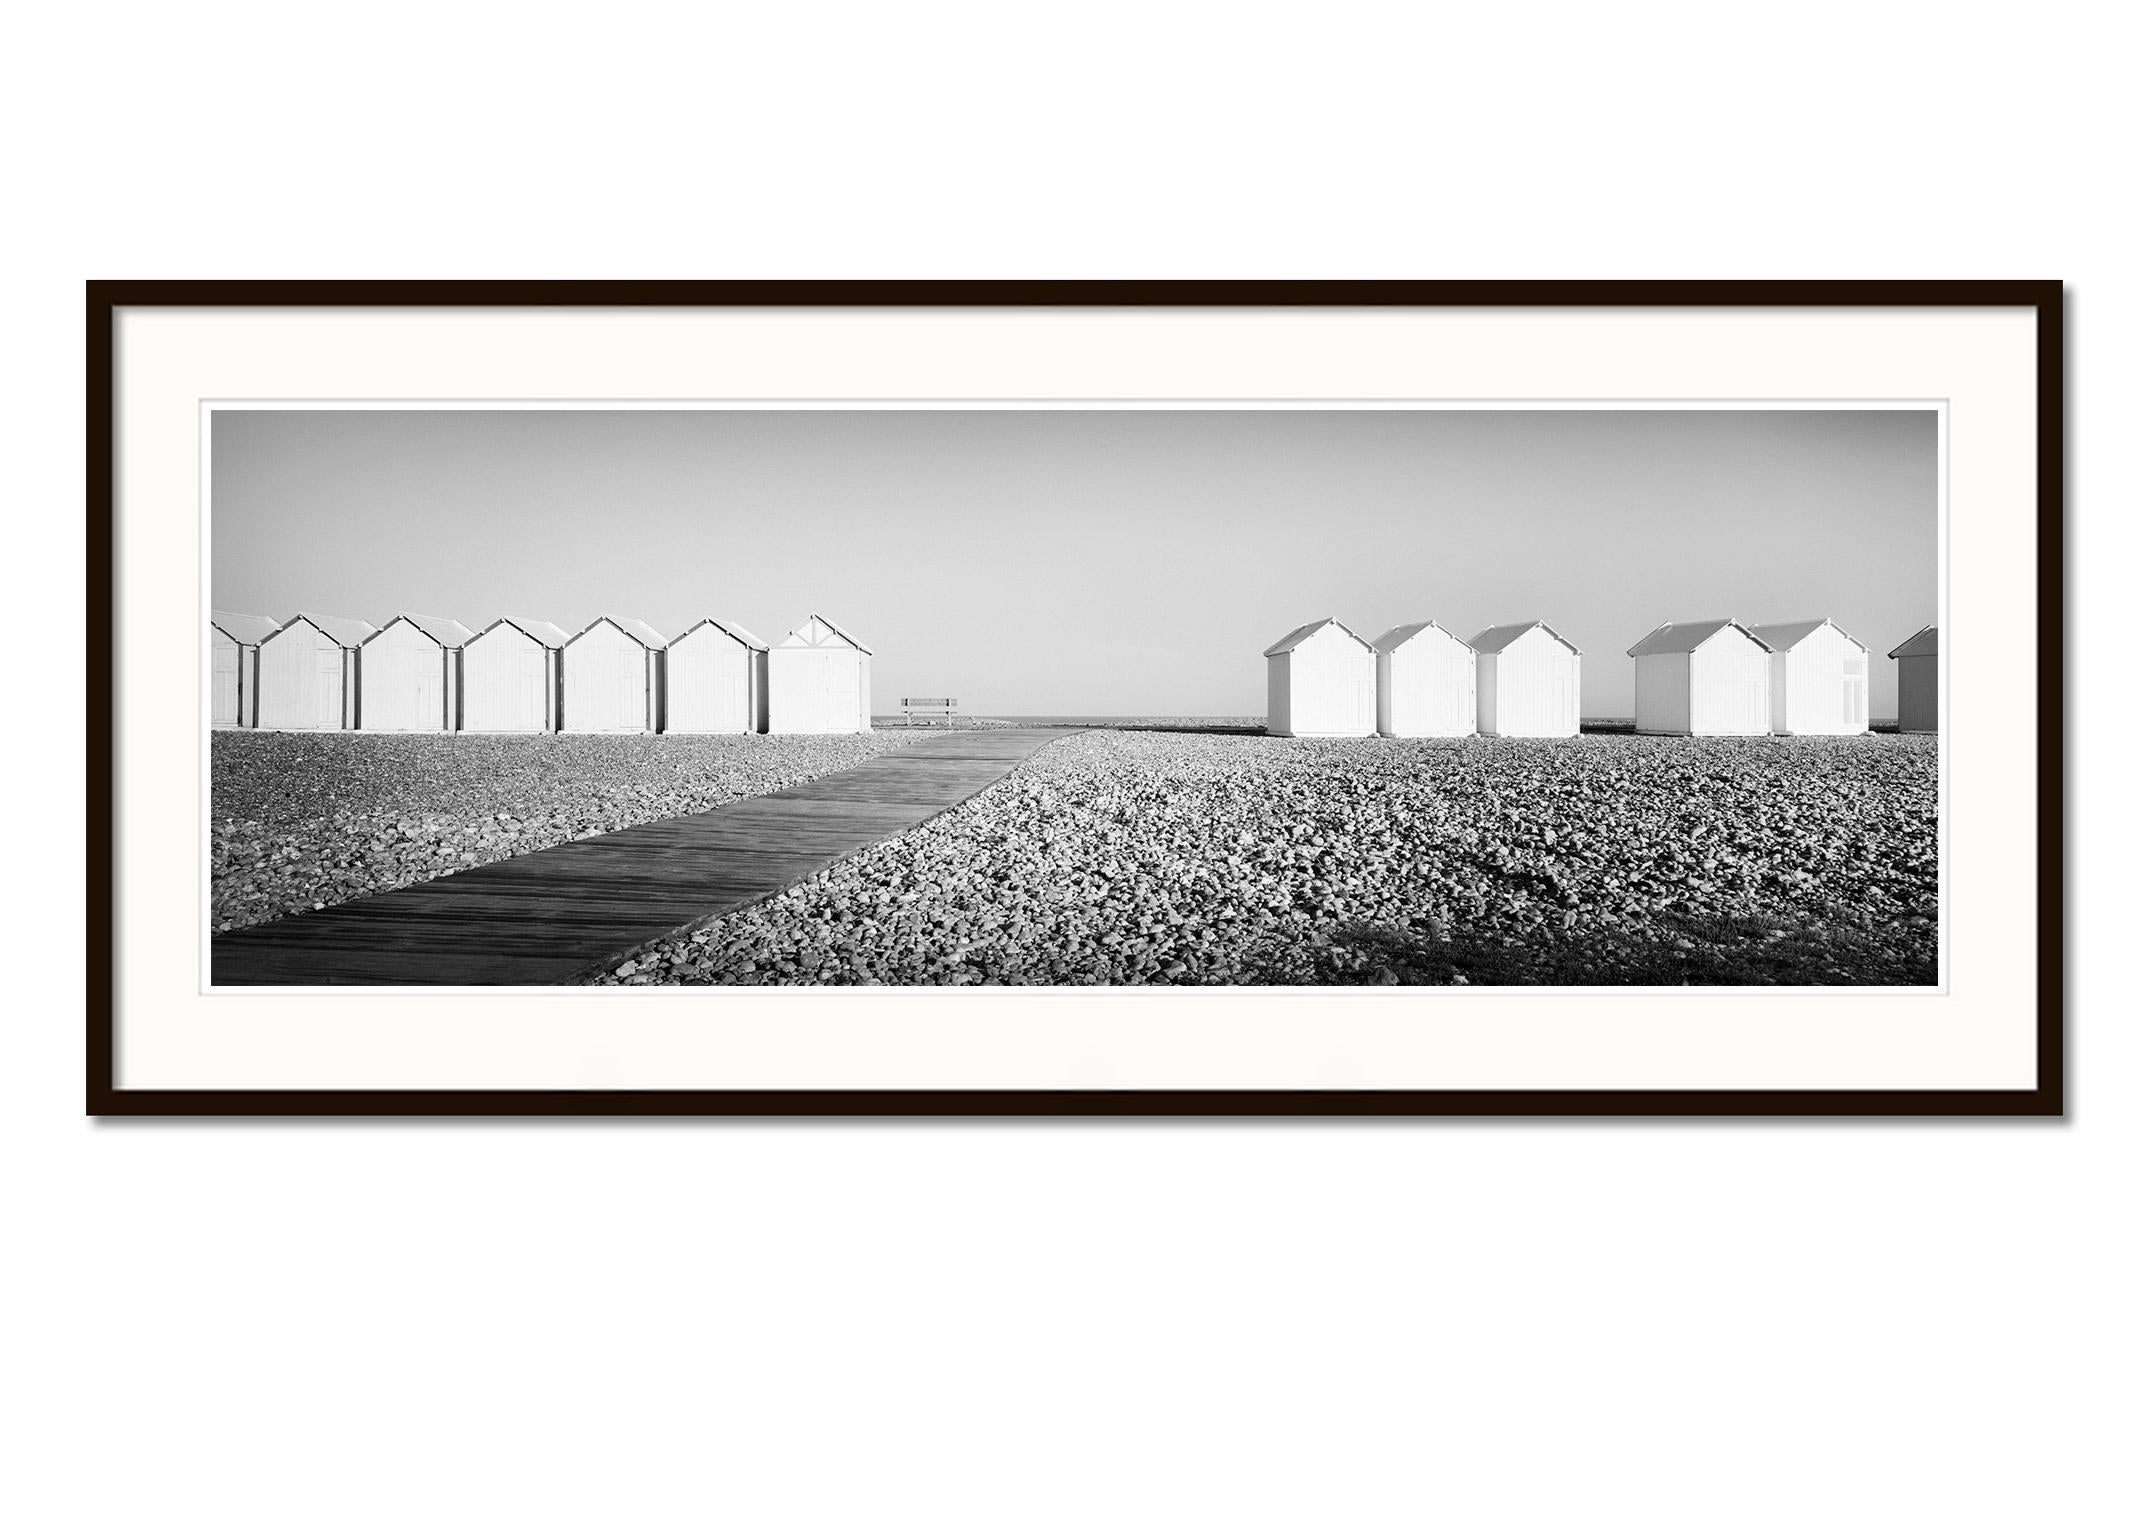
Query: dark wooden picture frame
{"x":106,"y":299}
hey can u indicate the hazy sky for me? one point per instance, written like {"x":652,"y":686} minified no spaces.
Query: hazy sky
{"x":1100,"y":562}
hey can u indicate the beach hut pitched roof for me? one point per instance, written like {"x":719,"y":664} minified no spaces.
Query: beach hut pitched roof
{"x":1781,"y":638}
{"x":645,"y":634}
{"x":344,"y":632}
{"x":1305,"y":632}
{"x":1293,"y":638}
{"x":1390,"y":640}
{"x":1926,"y":643}
{"x":1498,"y":638}
{"x":542,"y":632}
{"x":738,"y":633}
{"x":1685,"y":635}
{"x":443,"y":632}
{"x":834,"y":629}
{"x":246,"y":629}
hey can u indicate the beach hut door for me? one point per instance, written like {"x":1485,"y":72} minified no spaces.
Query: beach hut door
{"x":630,"y":688}
{"x":530,"y":690}
{"x":425,"y":701}
{"x":328,"y":688}
{"x":226,"y":692}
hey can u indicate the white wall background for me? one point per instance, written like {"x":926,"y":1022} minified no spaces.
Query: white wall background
{"x":1245,"y":1329}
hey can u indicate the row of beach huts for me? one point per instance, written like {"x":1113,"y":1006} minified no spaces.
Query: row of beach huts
{"x":1695,"y":678}
{"x":418,"y":673}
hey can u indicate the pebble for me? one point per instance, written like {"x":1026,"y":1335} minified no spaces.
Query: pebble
{"x":1193,"y":857}
{"x":301,"y":820}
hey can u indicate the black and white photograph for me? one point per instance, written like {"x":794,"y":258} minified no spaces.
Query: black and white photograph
{"x":1083,"y":698}
{"x":1446,"y":696}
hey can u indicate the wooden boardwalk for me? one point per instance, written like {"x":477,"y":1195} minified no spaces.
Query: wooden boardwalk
{"x":556,"y":915}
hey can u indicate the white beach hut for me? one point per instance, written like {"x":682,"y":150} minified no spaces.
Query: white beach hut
{"x":1426,"y":681}
{"x":309,"y":674}
{"x":1701,"y":678}
{"x":820,"y":681}
{"x":1529,"y":681}
{"x":1917,"y":682}
{"x":511,"y":679}
{"x":235,"y":665}
{"x":407,"y":675}
{"x":716,"y":680}
{"x":612,"y":677}
{"x":1817,"y":679}
{"x":1321,"y":680}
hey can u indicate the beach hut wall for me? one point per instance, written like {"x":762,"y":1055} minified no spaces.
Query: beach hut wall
{"x":235,"y":665}
{"x":820,"y":681}
{"x":510,"y":677}
{"x":716,"y":680}
{"x":1701,"y":678}
{"x":407,"y":675}
{"x":612,"y":677}
{"x":1529,"y":681}
{"x":1917,"y":682}
{"x":1321,"y":682}
{"x":1426,"y":682}
{"x":1817,"y":679}
{"x":308,"y":674}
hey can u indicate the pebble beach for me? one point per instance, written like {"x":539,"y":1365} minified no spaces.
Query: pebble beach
{"x":301,"y":820}
{"x":1186,"y":857}
{"x":1179,"y":854}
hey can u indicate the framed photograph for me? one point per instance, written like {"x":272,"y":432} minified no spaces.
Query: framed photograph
{"x":1096,"y":698}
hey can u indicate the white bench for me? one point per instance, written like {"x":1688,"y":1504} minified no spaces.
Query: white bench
{"x":943,"y":709}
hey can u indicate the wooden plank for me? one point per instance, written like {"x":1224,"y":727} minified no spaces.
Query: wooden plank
{"x":556,"y":914}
